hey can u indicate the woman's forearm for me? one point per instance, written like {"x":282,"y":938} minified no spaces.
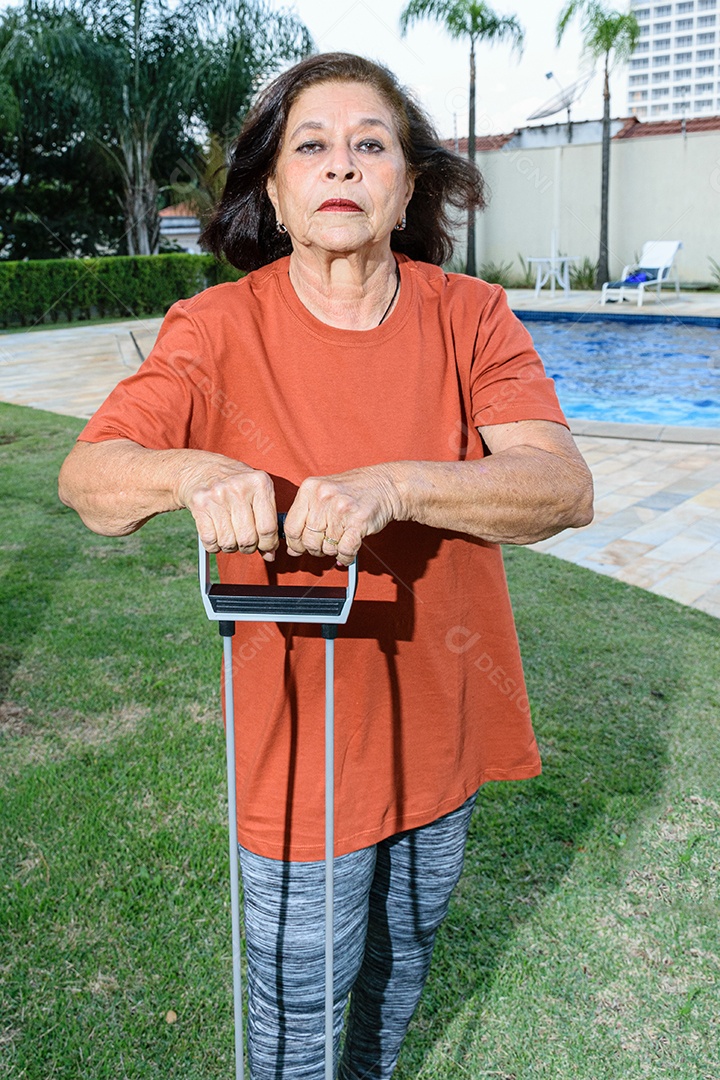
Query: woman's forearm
{"x":116,"y":486}
{"x":519,"y":496}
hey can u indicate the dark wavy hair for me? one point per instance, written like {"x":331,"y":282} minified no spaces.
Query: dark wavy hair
{"x":242,"y":227}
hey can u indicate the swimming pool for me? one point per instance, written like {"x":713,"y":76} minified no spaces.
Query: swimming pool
{"x":644,"y":372}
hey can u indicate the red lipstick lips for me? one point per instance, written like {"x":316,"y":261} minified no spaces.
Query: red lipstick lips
{"x":339,"y":204}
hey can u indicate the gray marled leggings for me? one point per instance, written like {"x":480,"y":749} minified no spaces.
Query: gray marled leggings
{"x":389,"y":901}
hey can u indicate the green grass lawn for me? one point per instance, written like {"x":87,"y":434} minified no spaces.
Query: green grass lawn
{"x":583,"y":940}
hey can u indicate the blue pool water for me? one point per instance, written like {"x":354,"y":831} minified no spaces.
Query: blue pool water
{"x":647,"y":373}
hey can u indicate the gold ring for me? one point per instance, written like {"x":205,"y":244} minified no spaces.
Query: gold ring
{"x":329,"y":540}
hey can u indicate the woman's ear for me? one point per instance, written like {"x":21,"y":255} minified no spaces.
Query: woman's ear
{"x":271,"y":188}
{"x":410,"y":189}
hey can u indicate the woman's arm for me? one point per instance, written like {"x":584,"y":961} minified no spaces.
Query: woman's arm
{"x":117,"y":485}
{"x":533,"y":484}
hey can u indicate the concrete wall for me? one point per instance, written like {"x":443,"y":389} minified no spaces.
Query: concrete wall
{"x":662,"y":187}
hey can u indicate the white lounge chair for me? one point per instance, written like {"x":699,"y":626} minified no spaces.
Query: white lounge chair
{"x":651,"y":271}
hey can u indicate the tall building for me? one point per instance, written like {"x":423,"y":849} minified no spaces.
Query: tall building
{"x":675,"y":69}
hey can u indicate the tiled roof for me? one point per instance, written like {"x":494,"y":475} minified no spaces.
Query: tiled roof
{"x":483,"y":143}
{"x":639,"y":129}
{"x":181,"y":210}
{"x":632,"y":129}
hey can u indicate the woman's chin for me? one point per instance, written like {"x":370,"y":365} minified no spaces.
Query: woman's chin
{"x":341,"y":238}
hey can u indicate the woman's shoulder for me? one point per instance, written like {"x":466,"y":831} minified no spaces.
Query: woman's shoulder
{"x":256,"y":286}
{"x":457,"y":291}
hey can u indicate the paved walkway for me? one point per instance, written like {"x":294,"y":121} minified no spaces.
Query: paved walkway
{"x":657,"y":522}
{"x":657,"y":518}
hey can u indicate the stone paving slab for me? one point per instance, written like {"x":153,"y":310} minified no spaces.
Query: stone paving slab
{"x":705,"y":305}
{"x":647,"y":532}
{"x":72,"y":370}
{"x":657,"y":522}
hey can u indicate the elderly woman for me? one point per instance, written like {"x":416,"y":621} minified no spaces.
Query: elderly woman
{"x":393,"y":411}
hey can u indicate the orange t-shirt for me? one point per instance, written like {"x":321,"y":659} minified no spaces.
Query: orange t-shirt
{"x":430,"y":699}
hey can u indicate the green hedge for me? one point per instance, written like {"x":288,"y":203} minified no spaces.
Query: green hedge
{"x":124,"y":286}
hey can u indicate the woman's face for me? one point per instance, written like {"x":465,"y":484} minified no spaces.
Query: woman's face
{"x":341,"y":181}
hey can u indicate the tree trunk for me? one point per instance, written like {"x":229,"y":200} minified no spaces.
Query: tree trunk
{"x":470,"y":257}
{"x":603,"y":274}
{"x":141,"y":217}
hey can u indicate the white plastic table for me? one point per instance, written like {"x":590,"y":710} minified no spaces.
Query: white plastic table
{"x":552,"y":268}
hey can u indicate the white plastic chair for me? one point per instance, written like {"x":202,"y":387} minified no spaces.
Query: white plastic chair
{"x":656,"y":262}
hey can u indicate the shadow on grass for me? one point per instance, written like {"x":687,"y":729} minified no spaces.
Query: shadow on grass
{"x":36,"y":550}
{"x":602,"y":673}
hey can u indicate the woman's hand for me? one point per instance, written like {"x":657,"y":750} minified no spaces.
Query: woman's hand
{"x":233,"y":505}
{"x":332,"y":514}
{"x":118,"y":485}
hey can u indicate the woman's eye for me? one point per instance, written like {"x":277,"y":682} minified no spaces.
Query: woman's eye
{"x":371,"y":145}
{"x":309,"y":148}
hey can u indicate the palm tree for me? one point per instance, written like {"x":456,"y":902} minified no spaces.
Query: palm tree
{"x":612,"y":37}
{"x":249,"y":41}
{"x":477,"y":22}
{"x":145,"y":77}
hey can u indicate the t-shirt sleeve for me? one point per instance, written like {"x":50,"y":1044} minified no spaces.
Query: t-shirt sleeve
{"x":162,"y":403}
{"x":507,"y":380}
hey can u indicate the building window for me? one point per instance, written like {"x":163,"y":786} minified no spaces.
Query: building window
{"x":704,"y":88}
{"x":682,"y":91}
{"x":664,"y":91}
{"x":681,"y":42}
{"x":706,"y":39}
{"x":638,"y":80}
{"x":640,"y":63}
{"x":657,"y":109}
{"x":688,"y":6}
{"x":682,"y":73}
{"x":706,"y":20}
{"x":705,"y":4}
{"x":703,"y":105}
{"x":664,"y":9}
{"x":639,"y":95}
{"x":663,"y":43}
{"x":705,"y":54}
{"x":640,"y":110}
{"x":662,"y":28}
{"x":644,"y":31}
{"x":703,"y":72}
{"x":683,"y":24}
{"x":661,"y":76}
{"x":642,"y":46}
{"x":683,"y":57}
{"x":661,"y":61}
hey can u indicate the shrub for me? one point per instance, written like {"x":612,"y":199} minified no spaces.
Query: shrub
{"x":527,"y":279}
{"x":497,"y":274}
{"x":46,"y":290}
{"x":584,"y":275}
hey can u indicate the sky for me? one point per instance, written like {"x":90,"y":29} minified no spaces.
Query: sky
{"x":436,"y":68}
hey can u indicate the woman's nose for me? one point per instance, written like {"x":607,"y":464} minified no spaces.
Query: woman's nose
{"x":348,"y":173}
{"x":342,"y":166}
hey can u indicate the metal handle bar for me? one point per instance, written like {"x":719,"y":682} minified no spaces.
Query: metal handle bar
{"x":274,"y":603}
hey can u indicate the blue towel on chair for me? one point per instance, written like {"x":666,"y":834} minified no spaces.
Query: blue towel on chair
{"x":635,"y":279}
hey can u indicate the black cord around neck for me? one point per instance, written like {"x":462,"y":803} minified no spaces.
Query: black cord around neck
{"x":394,"y":295}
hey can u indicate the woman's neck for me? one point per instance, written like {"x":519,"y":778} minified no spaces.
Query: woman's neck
{"x":349,"y":292}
